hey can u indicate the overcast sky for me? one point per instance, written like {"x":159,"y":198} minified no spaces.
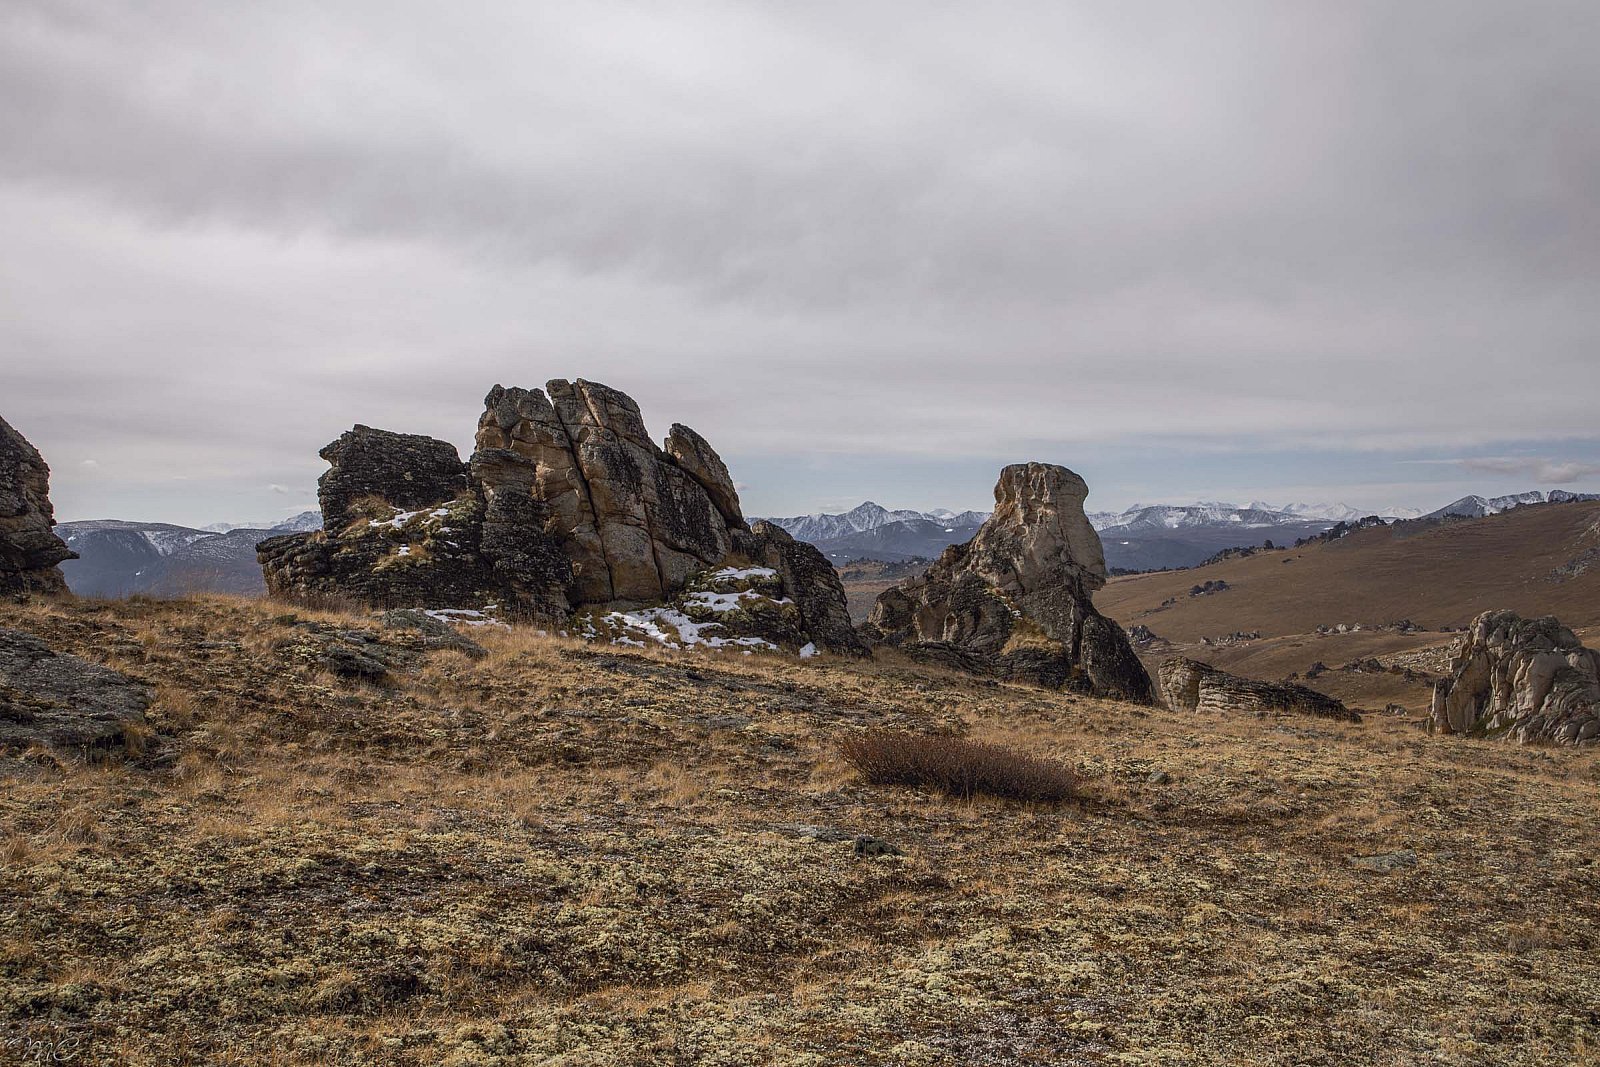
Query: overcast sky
{"x":1280,"y":250}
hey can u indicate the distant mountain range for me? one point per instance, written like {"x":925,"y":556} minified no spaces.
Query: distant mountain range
{"x":872,"y":531}
{"x":118,"y":558}
{"x":1143,"y":537}
{"x":1476,"y":507}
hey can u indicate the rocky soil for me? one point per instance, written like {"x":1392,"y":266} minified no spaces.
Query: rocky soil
{"x":554,"y":853}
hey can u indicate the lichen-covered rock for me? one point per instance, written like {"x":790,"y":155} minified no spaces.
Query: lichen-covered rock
{"x":1189,"y":685}
{"x":810,"y":580}
{"x":29,"y":551}
{"x":566,"y":504}
{"x":405,"y":470}
{"x":1528,"y":679}
{"x":63,"y":701}
{"x":1016,"y":600}
{"x":701,"y":462}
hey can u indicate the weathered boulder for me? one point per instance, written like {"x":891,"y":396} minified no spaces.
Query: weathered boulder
{"x":54,"y":699}
{"x":565,"y":504}
{"x":405,"y":470}
{"x":1016,"y":600}
{"x":1528,"y":679}
{"x":29,"y":551}
{"x":1189,"y":685}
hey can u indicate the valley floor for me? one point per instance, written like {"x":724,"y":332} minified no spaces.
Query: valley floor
{"x":570,"y":855}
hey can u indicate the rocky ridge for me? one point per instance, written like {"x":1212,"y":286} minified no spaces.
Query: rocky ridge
{"x":566,"y":504}
{"x":29,"y":551}
{"x":1189,"y":685}
{"x":1528,"y":679}
{"x":1015,"y":601}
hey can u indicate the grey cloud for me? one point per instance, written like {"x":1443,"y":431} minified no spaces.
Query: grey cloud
{"x":1535,"y":469}
{"x":233,"y":230}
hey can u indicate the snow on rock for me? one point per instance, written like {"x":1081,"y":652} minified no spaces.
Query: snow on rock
{"x":740,"y":609}
{"x":464,"y":616}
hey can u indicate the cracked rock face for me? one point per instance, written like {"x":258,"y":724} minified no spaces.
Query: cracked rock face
{"x":565,"y":504}
{"x":1016,"y":600}
{"x":29,"y":550}
{"x":1529,"y":679}
{"x":1189,"y":685}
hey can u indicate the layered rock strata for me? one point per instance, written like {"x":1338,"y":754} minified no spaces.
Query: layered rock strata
{"x":1189,"y":685}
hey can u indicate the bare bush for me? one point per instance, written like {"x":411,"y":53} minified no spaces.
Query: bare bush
{"x":956,"y":766}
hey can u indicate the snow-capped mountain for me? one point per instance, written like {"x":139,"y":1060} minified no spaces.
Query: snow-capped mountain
{"x":873,"y":531}
{"x":870,"y":516}
{"x":1258,"y":514}
{"x":118,"y":558}
{"x":1475,"y":507}
{"x":306,"y":520}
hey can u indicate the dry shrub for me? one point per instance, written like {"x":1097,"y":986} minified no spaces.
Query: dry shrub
{"x":956,"y":766}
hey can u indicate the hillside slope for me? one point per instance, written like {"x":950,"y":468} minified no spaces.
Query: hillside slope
{"x":572,"y":855}
{"x":1433,"y":574}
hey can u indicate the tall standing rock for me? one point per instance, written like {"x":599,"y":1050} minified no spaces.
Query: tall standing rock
{"x":1531,"y":679}
{"x":29,"y":551}
{"x":1016,"y":600}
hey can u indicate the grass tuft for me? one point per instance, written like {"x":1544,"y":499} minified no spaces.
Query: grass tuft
{"x":956,"y":766}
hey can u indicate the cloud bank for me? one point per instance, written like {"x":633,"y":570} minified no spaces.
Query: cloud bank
{"x":808,"y":230}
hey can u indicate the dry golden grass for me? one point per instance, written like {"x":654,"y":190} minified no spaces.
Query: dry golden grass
{"x":572,"y":855}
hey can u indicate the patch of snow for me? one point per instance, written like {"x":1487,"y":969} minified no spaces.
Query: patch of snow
{"x":403,"y":550}
{"x":808,"y":650}
{"x":735,"y":573}
{"x":465,"y":616}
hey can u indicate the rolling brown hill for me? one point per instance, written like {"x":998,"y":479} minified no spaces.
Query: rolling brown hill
{"x":1542,"y":560}
{"x":1436,"y":575}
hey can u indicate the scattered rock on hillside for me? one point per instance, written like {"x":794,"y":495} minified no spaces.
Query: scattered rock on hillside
{"x":1015,"y":601}
{"x":566,"y":505}
{"x":1530,"y":679}
{"x":29,"y":551}
{"x":1189,"y":685}
{"x":54,"y":699}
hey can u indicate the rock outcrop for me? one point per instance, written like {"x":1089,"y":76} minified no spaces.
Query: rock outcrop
{"x":1015,"y":601}
{"x":49,"y":698}
{"x":1189,"y":685}
{"x":29,"y":551}
{"x":565,"y":505}
{"x":1528,"y":679}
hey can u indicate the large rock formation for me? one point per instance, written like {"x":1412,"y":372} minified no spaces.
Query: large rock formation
{"x":1189,"y":685}
{"x":566,"y":504}
{"x":1015,"y":601}
{"x":1529,"y":679}
{"x":29,"y":551}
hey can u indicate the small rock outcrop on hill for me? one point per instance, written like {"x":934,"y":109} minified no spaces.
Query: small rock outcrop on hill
{"x":565,"y":505}
{"x":1529,"y":679}
{"x":53,"y":699}
{"x":29,"y":551}
{"x":1015,"y":601}
{"x":1189,"y":685}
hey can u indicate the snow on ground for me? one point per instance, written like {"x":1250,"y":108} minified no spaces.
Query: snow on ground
{"x":808,"y":650}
